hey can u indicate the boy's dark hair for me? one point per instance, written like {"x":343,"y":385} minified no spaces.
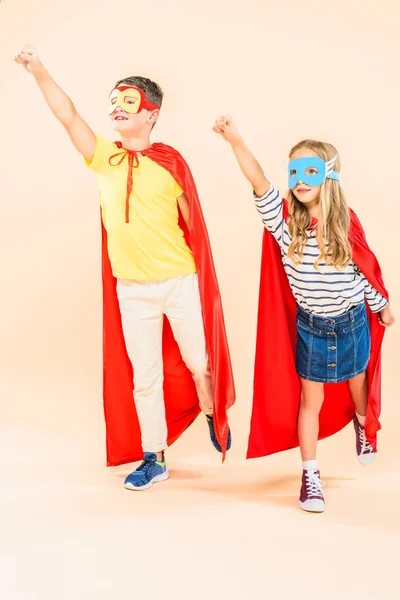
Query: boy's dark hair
{"x":151,"y":89}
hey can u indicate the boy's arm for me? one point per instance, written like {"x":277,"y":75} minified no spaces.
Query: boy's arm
{"x":59,"y":103}
{"x":184,"y":207}
{"x":248,"y":164}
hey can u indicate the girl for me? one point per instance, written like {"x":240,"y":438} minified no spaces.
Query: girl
{"x":315,"y":313}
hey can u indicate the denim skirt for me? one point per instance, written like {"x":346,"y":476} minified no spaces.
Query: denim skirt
{"x":334,"y":349}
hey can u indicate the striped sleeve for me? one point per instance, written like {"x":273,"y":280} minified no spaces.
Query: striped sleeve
{"x":375,"y":300}
{"x":270,"y":208}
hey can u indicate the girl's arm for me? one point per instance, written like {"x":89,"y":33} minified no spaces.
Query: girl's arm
{"x":377,"y":303}
{"x":248,"y":164}
{"x":267,"y":197}
{"x":386,"y":316}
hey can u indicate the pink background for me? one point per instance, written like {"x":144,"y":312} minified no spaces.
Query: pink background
{"x":285,"y":71}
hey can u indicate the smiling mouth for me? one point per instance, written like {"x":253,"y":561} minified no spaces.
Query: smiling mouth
{"x":120,"y":118}
{"x":302,"y":191}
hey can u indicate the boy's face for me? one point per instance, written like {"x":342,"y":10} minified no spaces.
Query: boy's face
{"x":133,"y":123}
{"x":130,"y":112}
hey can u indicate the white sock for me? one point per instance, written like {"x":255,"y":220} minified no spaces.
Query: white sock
{"x":361,"y":419}
{"x":310,"y":465}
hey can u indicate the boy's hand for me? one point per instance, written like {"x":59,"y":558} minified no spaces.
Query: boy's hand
{"x":386,"y":317}
{"x":29,"y":58}
{"x":227,"y":129}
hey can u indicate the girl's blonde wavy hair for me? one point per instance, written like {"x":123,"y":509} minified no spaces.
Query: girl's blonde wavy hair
{"x":334,"y":218}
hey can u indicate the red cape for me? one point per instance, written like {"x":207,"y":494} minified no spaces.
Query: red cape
{"x":276,"y":399}
{"x":182,"y":405}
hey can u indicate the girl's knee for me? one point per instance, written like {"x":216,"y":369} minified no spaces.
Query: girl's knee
{"x":359,"y":378}
{"x":310,"y":406}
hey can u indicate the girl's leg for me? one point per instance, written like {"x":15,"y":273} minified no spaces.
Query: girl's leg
{"x":312,"y":397}
{"x":359,"y":392}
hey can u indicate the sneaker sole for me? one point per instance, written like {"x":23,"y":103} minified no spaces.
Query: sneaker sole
{"x":366,"y":459}
{"x":317,"y":506}
{"x":157,"y":479}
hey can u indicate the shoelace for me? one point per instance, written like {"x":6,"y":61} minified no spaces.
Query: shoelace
{"x":366,"y":447}
{"x":146,"y":462}
{"x":314,"y":484}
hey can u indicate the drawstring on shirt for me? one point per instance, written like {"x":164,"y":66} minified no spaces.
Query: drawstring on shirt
{"x":133,"y":163}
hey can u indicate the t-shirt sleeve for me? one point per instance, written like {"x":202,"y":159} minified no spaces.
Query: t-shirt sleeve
{"x":104,"y":150}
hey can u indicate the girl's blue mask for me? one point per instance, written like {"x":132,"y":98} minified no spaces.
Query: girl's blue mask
{"x":311,"y":170}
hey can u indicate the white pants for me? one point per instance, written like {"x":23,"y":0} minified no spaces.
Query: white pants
{"x":143,"y":305}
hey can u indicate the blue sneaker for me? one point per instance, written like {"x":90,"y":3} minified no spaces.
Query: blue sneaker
{"x":215,"y":442}
{"x":149,"y":472}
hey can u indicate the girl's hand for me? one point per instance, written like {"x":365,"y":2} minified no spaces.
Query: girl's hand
{"x":386,"y":317}
{"x":227,"y":129}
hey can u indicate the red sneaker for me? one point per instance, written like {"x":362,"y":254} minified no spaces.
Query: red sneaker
{"x":311,"y":496}
{"x":365,"y":451}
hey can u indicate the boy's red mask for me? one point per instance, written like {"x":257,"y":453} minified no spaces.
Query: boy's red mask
{"x":131,"y":99}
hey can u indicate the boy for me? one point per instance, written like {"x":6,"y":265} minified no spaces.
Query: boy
{"x":156,"y":261}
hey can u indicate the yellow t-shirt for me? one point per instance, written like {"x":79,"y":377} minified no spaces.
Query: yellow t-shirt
{"x":152,"y":245}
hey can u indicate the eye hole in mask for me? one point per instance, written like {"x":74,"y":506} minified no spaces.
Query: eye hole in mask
{"x":125,"y":100}
{"x":310,"y":171}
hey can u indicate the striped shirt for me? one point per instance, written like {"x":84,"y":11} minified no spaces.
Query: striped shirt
{"x":326,"y":292}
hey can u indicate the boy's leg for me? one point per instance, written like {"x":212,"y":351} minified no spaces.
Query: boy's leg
{"x":183,"y":309}
{"x":142,"y":321}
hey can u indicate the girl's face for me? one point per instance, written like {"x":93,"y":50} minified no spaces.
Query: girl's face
{"x":306,"y":194}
